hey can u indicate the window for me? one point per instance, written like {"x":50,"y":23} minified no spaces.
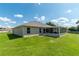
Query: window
{"x":28,"y":30}
{"x":39,"y":30}
{"x":43,"y":30}
{"x":47,"y":30}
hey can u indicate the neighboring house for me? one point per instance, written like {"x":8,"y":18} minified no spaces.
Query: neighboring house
{"x":4,"y":29}
{"x":37,"y":28}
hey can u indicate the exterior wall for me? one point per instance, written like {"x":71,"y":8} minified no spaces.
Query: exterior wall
{"x":22,"y":31}
{"x":33,"y":32}
{"x":18,"y":31}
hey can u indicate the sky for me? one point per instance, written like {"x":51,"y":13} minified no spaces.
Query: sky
{"x":62,"y":14}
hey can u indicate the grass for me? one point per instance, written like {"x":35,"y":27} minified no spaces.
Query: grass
{"x":67,"y":45}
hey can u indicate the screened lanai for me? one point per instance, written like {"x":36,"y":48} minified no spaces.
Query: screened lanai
{"x":53,"y":31}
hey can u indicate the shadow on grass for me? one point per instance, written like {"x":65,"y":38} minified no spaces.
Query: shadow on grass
{"x":12,"y":36}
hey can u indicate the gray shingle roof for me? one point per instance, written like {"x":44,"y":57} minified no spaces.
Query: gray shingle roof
{"x":36,"y":24}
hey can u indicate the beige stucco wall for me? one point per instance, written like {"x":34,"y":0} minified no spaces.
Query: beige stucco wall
{"x":33,"y":31}
{"x":22,"y":31}
{"x":18,"y":31}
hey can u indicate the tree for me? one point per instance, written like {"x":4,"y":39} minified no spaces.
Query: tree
{"x":77,"y":25}
{"x":78,"y":28}
{"x":77,"y":22}
{"x":73,"y":29}
{"x":51,"y":24}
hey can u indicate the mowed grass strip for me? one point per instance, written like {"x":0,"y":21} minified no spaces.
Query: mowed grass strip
{"x":67,"y":45}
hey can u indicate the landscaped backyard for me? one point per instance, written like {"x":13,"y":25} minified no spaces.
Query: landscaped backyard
{"x":39,"y":45}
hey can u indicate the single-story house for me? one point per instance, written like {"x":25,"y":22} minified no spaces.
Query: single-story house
{"x":34,"y":28}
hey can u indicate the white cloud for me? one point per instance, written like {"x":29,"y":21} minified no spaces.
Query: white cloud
{"x":69,"y":11}
{"x":39,"y":3}
{"x":54,"y":21}
{"x":12,"y":22}
{"x":25,"y":21}
{"x":8,"y":26}
{"x":5,"y":19}
{"x":7,"y":23}
{"x":62,"y":21}
{"x":41,"y":18}
{"x":36,"y":17}
{"x":1,"y":26}
{"x":18,"y":15}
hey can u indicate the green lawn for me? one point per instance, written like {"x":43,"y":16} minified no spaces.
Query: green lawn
{"x":66,"y":45}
